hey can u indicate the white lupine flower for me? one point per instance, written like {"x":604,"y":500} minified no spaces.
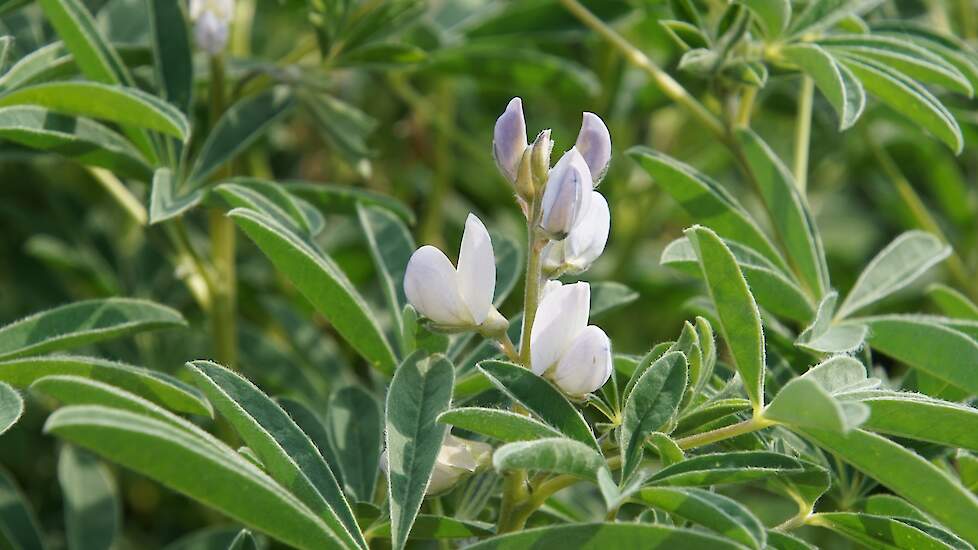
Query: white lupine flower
{"x":454,"y":297}
{"x":457,"y":458}
{"x":585,"y":243}
{"x":212,"y":20}
{"x":594,"y":143}
{"x":509,"y":139}
{"x":577,"y":357}
{"x":567,"y":195}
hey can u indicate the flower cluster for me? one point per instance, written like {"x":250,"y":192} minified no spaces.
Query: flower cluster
{"x":569,"y":222}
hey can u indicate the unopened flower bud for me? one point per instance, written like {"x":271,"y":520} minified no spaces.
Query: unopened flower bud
{"x":540,"y":162}
{"x":563,"y":347}
{"x":585,"y":242}
{"x":454,"y":298}
{"x":594,"y":143}
{"x":567,"y":195}
{"x":212,"y":20}
{"x":509,"y":139}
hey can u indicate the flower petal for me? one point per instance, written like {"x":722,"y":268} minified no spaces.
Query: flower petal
{"x":586,"y":365}
{"x":594,"y":143}
{"x":509,"y":139}
{"x":562,"y":314}
{"x":587,"y":240}
{"x":476,"y":269}
{"x":567,"y":194}
{"x":430,"y":284}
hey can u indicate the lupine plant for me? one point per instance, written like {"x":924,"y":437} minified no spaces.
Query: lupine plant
{"x":248,"y":356}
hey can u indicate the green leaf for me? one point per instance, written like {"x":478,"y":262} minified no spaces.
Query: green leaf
{"x":952,"y":302}
{"x":771,"y":287}
{"x":11,"y":407}
{"x":706,"y":201}
{"x":346,"y":127}
{"x":164,"y":202}
{"x":499,"y":424}
{"x":96,"y":59}
{"x":171,"y":48}
{"x":686,"y":35}
{"x":776,"y":540}
{"x":208,"y":538}
{"x":79,"y":139}
{"x":92,"y":510}
{"x":906,"y":474}
{"x":602,"y":536}
{"x":823,"y":14}
{"x":652,"y":403}
{"x":391,"y":246}
{"x":384,"y":55}
{"x":716,"y":512}
{"x":822,"y":336}
{"x":239,"y":127}
{"x":541,"y":398}
{"x":273,"y":200}
{"x":243,"y":541}
{"x":557,"y":455}
{"x":709,"y":413}
{"x":126,"y":106}
{"x":288,"y":454}
{"x":343,"y":199}
{"x":420,"y":391}
{"x":159,"y":388}
{"x":840,"y":375}
{"x":882,"y":504}
{"x":356,"y":433}
{"x":803,"y":403}
{"x":772,"y":15}
{"x":834,"y":80}
{"x":915,"y":416}
{"x":790,"y":215}
{"x":908,"y":98}
{"x":322,"y":283}
{"x":876,"y":531}
{"x":310,"y":423}
{"x":606,"y":296}
{"x":950,"y":48}
{"x":84,"y":323}
{"x":924,"y":344}
{"x":177,"y":459}
{"x":19,"y":528}
{"x":902,"y":261}
{"x":740,"y":322}
{"x":429,"y":527}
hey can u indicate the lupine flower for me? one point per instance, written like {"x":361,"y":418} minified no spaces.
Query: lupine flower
{"x":567,"y":195}
{"x":212,"y":19}
{"x":594,"y":143}
{"x":584,"y":243}
{"x":456,"y":459}
{"x":509,"y":139}
{"x":563,"y":347}
{"x":454,"y":297}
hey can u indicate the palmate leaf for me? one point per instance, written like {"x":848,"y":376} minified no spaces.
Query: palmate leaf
{"x":127,"y":106}
{"x":79,"y":139}
{"x":83,"y":323}
{"x":11,"y":407}
{"x":716,"y":512}
{"x":159,"y":388}
{"x":93,"y":513}
{"x":602,"y":536}
{"x":96,"y":58}
{"x":420,"y":391}
{"x":836,"y":82}
{"x":825,"y":336}
{"x":344,"y":199}
{"x":212,"y":474}
{"x":880,"y":532}
{"x":19,"y":528}
{"x":802,"y":402}
{"x":501,"y":424}
{"x":558,"y":455}
{"x":949,"y":48}
{"x":322,"y":283}
{"x":288,"y":454}
{"x":740,"y":321}
{"x":906,"y":474}
{"x":653,"y":401}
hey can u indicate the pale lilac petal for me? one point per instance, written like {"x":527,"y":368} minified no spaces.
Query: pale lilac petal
{"x":587,"y":240}
{"x":509,"y":139}
{"x":594,"y":143}
{"x":430,"y":284}
{"x":562,"y":314}
{"x":476,"y":269}
{"x":586,"y":365}
{"x":567,"y":194}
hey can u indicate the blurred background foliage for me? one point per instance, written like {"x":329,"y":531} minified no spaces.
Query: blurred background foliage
{"x":403,"y":103}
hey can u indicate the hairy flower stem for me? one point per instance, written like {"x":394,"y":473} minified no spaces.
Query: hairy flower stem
{"x":534,"y":278}
{"x":803,"y":132}
{"x":223,"y":316}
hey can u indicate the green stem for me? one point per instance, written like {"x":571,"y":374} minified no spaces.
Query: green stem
{"x":121,"y":194}
{"x":752,"y":424}
{"x":668,"y":85}
{"x":746,"y":108}
{"x":534,"y":279}
{"x":803,"y":131}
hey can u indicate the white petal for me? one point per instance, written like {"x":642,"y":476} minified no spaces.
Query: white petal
{"x":455,"y":452}
{"x":587,"y":240}
{"x":442,"y":479}
{"x":594,"y":143}
{"x":567,"y":194}
{"x":431,"y":286}
{"x":549,"y":287}
{"x":562,"y":314}
{"x":586,"y":365}
{"x":210,"y":33}
{"x":476,"y":269}
{"x":509,"y":139}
